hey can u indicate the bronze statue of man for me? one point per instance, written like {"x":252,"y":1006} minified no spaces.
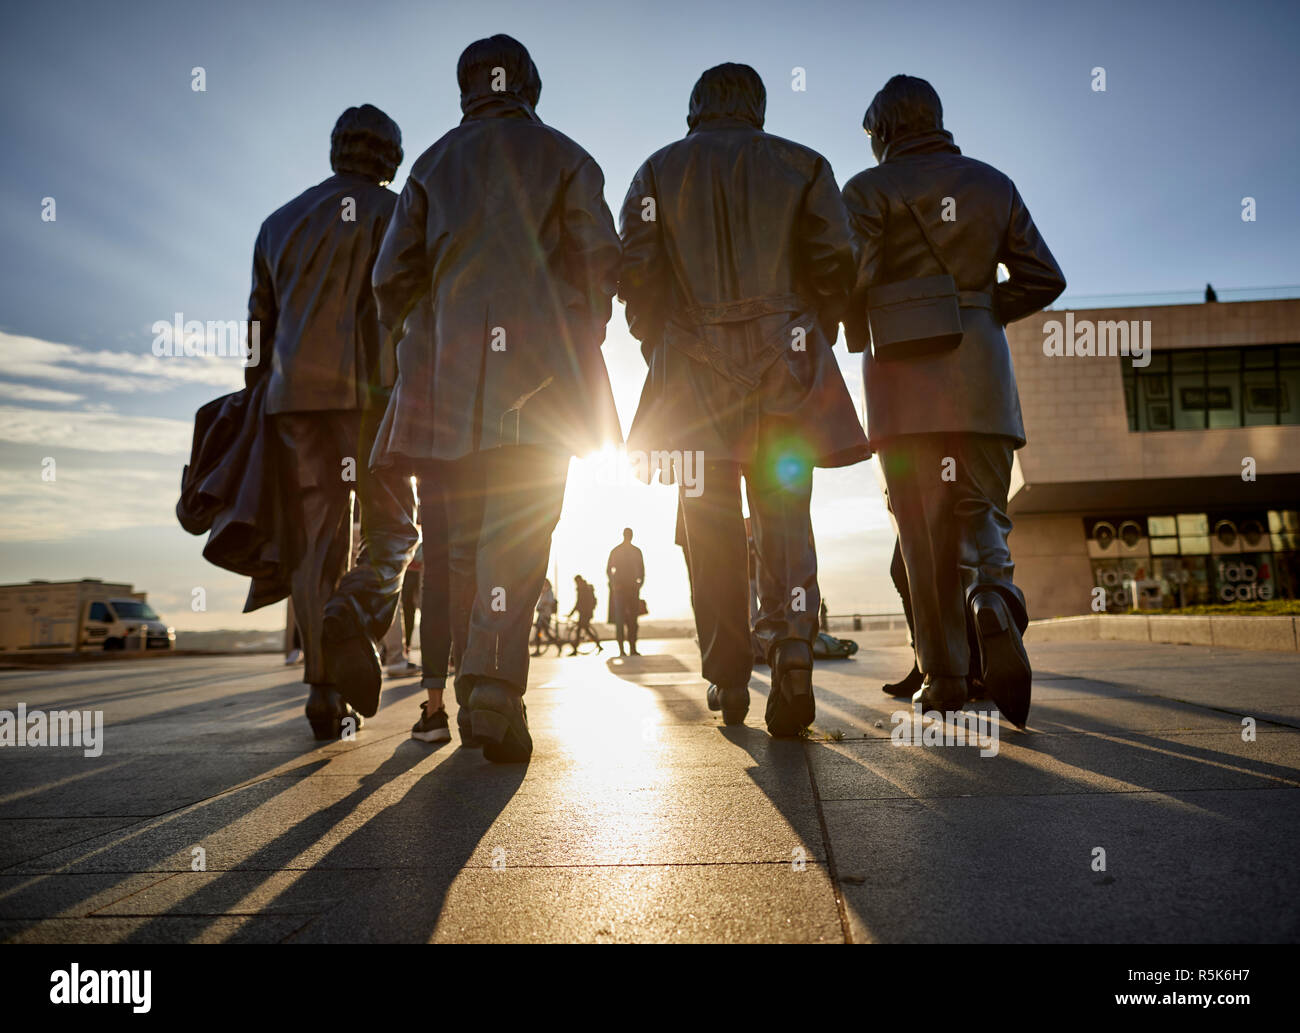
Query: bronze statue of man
{"x":502,"y":229}
{"x":312,"y":300}
{"x":737,"y":263}
{"x":943,"y":413}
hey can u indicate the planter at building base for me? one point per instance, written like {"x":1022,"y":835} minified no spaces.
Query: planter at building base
{"x":1183,"y":631}
{"x":1063,"y":629}
{"x":1223,"y":631}
{"x":1123,"y":627}
{"x":1255,"y":632}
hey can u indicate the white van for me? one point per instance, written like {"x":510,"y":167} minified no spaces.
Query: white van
{"x":71,"y":616}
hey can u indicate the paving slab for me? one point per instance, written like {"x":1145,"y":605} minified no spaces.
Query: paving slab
{"x":166,"y":929}
{"x":213,"y":816}
{"x":1050,"y":764}
{"x":1194,"y":867}
{"x":763,"y":903}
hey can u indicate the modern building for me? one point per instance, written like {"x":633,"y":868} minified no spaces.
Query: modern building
{"x":1163,"y":464}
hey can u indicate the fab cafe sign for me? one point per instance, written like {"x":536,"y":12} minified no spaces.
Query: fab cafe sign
{"x":1239,"y":581}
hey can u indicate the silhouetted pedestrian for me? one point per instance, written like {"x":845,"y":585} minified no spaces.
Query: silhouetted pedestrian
{"x":585,"y":608}
{"x":626,"y":573}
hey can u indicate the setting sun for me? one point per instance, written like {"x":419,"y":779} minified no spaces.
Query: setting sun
{"x":603,"y":497}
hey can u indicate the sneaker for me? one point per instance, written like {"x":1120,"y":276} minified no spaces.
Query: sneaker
{"x":432,"y":727}
{"x":402,"y":669}
{"x":294,"y":658}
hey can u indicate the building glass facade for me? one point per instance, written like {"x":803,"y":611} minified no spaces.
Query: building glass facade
{"x":1172,"y":560}
{"x":1213,"y":388}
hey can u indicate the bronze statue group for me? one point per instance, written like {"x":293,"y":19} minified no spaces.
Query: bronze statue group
{"x":446,"y":344}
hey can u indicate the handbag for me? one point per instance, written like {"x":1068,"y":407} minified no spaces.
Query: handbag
{"x":915,"y":317}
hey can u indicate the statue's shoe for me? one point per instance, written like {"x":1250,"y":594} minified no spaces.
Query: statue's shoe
{"x":1004,"y":664}
{"x":733,"y":702}
{"x":351,"y":659}
{"x":500,"y":722}
{"x":907,"y":688}
{"x":790,"y":704}
{"x":327,"y":712}
{"x":942,"y":693}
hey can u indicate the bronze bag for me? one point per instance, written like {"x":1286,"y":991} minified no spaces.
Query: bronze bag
{"x":915,"y":317}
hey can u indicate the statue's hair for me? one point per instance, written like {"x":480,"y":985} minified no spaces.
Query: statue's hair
{"x":730,"y":91}
{"x":479,"y":61}
{"x":904,"y":105}
{"x":366,"y":142}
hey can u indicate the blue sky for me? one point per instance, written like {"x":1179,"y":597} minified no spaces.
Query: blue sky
{"x":160,"y":191}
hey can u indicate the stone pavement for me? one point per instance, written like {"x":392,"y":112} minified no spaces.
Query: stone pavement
{"x":642,"y":818}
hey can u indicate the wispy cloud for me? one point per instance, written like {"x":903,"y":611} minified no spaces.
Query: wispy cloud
{"x":94,"y":431}
{"x":30,"y":358}
{"x":84,"y":497}
{"x":28,"y":393}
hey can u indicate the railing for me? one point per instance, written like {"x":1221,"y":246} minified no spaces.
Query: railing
{"x":866,"y":622}
{"x":1182,"y":297}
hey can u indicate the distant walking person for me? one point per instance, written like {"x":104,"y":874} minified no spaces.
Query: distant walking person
{"x":542,"y":629}
{"x":503,"y":230}
{"x":943,"y":412}
{"x":585,"y":608}
{"x":737,"y":264}
{"x":312,"y":299}
{"x":626,"y":573}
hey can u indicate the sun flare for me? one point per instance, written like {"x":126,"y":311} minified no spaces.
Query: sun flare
{"x":603,"y":497}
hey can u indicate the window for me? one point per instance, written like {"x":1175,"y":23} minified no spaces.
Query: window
{"x":1183,"y":581}
{"x":1163,"y":534}
{"x":1217,"y":557}
{"x":1223,"y":387}
{"x":1284,"y":529}
{"x":99,"y":612}
{"x":1259,"y":387}
{"x":1244,"y":578}
{"x":129,"y":610}
{"x":1189,"y":389}
{"x":1288,"y":390}
{"x":1193,"y":534}
{"x":1118,"y":579}
{"x":1211,"y":388}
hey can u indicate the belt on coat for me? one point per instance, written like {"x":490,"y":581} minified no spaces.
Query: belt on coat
{"x":743,"y":310}
{"x":692,"y":318}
